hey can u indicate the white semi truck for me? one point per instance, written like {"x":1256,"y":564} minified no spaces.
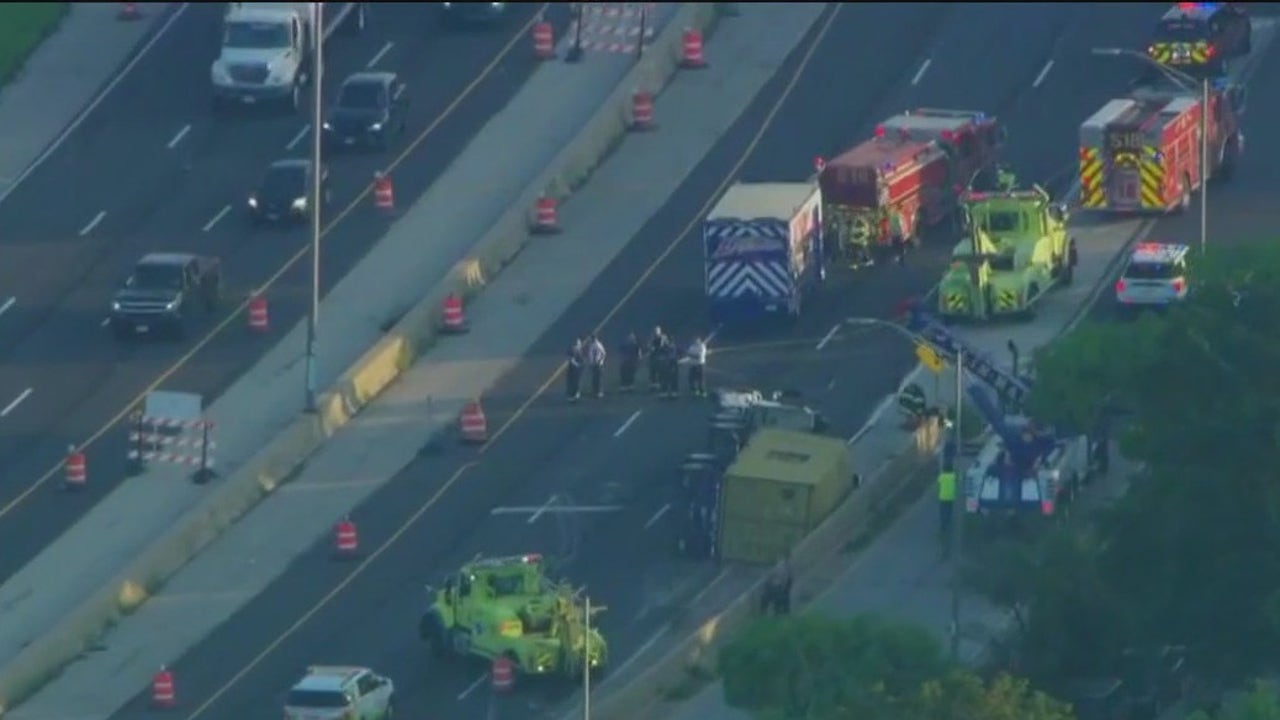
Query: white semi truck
{"x":267,"y":50}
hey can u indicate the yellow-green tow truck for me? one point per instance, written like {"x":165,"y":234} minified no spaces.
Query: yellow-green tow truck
{"x":508,"y":607}
{"x":1016,"y":249}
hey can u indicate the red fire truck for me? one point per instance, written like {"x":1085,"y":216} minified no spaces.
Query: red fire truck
{"x":1142,"y":153}
{"x":909,"y":176}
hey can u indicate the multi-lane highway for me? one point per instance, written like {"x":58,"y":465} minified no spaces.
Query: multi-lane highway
{"x":152,"y":168}
{"x":1028,"y":63}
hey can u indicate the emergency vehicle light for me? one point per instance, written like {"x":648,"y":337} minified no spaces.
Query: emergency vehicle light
{"x":979,"y":117}
{"x":1177,"y":285}
{"x":1196,"y":6}
{"x":1120,"y":285}
{"x":879,"y":131}
{"x":948,"y":135}
{"x":531,"y":559}
{"x":1148,"y":247}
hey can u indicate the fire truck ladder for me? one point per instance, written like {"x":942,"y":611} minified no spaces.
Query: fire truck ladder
{"x":1010,"y":389}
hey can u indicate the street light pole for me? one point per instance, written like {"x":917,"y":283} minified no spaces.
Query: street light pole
{"x":957,"y":511}
{"x":1204,"y":165}
{"x":586,"y":658}
{"x":317,"y":194}
{"x":957,"y":504}
{"x":1191,"y":84}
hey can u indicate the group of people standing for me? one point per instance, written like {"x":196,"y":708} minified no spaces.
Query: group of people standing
{"x":663,"y":356}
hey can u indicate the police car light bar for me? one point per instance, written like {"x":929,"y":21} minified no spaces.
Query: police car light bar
{"x":531,"y":559}
{"x":879,"y":131}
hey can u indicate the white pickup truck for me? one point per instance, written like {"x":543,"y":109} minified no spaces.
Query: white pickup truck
{"x":267,"y":49}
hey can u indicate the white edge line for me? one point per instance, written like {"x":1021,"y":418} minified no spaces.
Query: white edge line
{"x":88,"y":109}
{"x":828,"y":337}
{"x":657,"y":516}
{"x":473,"y":687}
{"x":7,"y":305}
{"x":105,"y":322}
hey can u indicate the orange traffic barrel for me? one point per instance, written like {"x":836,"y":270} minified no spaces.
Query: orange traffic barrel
{"x":502,"y":674}
{"x":546,"y":216}
{"x":642,"y":111}
{"x":384,"y":193}
{"x":163,"y":693}
{"x":259,"y":319}
{"x":346,"y":541}
{"x":544,"y":43}
{"x":452,"y":319}
{"x":692,"y":58}
{"x":473,"y":424}
{"x":77,"y":471}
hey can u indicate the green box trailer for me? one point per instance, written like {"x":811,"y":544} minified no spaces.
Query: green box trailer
{"x":780,"y":487}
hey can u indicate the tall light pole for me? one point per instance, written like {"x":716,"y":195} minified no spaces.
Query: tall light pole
{"x":957,"y":505}
{"x":586,"y":658}
{"x":317,"y":197}
{"x":1190,"y":84}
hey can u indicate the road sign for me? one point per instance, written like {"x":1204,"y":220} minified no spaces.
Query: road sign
{"x":929,"y":358}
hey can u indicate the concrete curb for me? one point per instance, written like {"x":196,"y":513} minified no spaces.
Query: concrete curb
{"x":697,"y":651}
{"x":410,"y":338}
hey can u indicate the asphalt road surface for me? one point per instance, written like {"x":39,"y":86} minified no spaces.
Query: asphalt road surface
{"x":1030,"y":64}
{"x":154,"y":169}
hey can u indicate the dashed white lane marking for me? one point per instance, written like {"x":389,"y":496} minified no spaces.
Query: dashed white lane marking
{"x":831,"y":334}
{"x":473,"y":686}
{"x":381,"y":54}
{"x":178,"y":138}
{"x":657,"y":516}
{"x":7,"y":305}
{"x":105,"y":322}
{"x":627,"y":424}
{"x":13,"y":404}
{"x":924,"y":68}
{"x":298,"y":138}
{"x":214,"y":220}
{"x":1044,"y":72}
{"x":542,"y":510}
{"x":93,"y":223}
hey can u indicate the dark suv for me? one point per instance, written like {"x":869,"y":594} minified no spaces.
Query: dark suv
{"x":369,"y":111}
{"x":164,"y":292}
{"x":284,"y":194}
{"x":1202,"y":37}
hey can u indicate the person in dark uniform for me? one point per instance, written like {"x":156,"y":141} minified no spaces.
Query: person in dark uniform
{"x":670,"y":368}
{"x":655,"y":360}
{"x":573,"y":371}
{"x":630,"y":351}
{"x":595,"y":363}
{"x":775,"y":596}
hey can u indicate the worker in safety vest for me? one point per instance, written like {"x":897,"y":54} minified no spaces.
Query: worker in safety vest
{"x":696,"y":359}
{"x":946,"y":500}
{"x":1006,"y":181}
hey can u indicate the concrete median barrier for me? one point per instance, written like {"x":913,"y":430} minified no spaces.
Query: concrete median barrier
{"x":695,"y":653}
{"x":412,"y":336}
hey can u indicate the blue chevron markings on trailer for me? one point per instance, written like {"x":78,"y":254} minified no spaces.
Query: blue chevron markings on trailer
{"x":763,"y":246}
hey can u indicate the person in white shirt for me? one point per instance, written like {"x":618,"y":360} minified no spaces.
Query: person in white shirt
{"x":595,"y":361}
{"x":696,"y":357}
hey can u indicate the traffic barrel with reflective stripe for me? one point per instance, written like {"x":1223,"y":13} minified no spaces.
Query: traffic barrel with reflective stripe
{"x":502,"y":675}
{"x":77,"y":469}
{"x":164,"y":694}
{"x":346,"y":541}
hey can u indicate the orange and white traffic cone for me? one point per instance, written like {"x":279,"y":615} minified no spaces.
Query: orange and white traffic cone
{"x":259,"y":319}
{"x":692,"y":58}
{"x":452,"y":319}
{"x":384,"y":194}
{"x":642,"y":111}
{"x":546,"y":216}
{"x":346,"y":541}
{"x":544,"y":43}
{"x":473,"y":424}
{"x":163,"y":693}
{"x":129,"y":11}
{"x":77,"y":470}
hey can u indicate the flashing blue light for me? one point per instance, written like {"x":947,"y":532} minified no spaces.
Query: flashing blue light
{"x":979,"y":117}
{"x":1189,"y":6}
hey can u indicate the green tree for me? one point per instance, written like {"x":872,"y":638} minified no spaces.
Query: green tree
{"x":1187,"y":556}
{"x":1261,"y":704}
{"x":812,"y":667}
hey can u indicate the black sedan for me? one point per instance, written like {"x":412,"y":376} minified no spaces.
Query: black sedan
{"x":284,"y":195}
{"x":369,"y":112}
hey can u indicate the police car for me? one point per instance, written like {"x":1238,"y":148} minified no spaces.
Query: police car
{"x":1201,"y":34}
{"x":340,"y":692}
{"x":1155,"y":276}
